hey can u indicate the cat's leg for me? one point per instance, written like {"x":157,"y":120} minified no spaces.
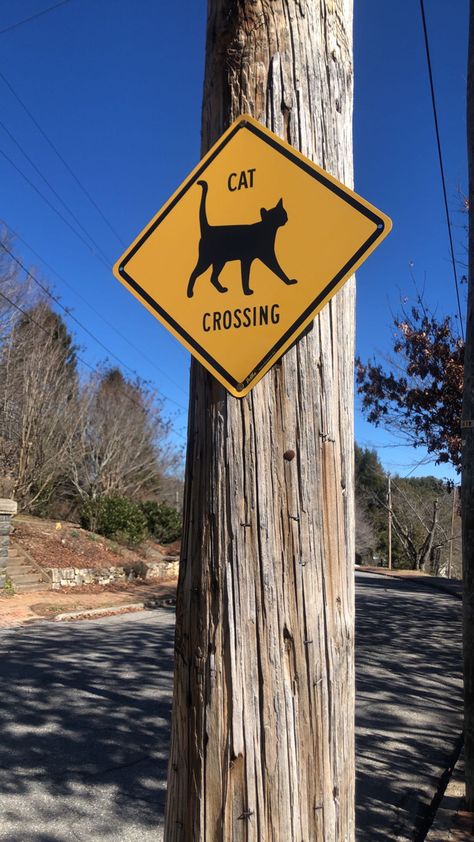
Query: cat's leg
{"x":200,"y":267}
{"x":245,"y":270}
{"x":272,"y":263}
{"x":216,"y":270}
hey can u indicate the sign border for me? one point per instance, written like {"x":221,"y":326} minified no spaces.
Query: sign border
{"x":383,"y":226}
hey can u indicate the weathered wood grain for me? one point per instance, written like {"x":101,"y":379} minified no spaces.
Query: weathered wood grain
{"x":467,"y":487}
{"x":262,"y":733}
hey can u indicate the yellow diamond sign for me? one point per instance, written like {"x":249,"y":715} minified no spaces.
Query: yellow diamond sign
{"x":251,"y":246}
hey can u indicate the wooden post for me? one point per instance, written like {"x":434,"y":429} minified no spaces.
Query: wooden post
{"x":449,"y":571}
{"x":467,"y":486}
{"x":262,"y":743}
{"x":8,"y":508}
{"x":389,"y":500}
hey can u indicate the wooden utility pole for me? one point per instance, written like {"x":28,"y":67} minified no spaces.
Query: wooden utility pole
{"x":467,"y":487}
{"x":389,"y":501}
{"x":262,"y":743}
{"x":451,"y":540}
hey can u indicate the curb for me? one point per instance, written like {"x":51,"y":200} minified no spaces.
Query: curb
{"x":436,"y":583}
{"x":442,"y":829}
{"x":108,"y":610}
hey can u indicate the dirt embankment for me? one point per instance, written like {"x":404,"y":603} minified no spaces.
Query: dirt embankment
{"x":56,"y":544}
{"x":62,"y":544}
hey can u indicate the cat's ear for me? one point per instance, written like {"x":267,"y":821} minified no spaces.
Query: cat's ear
{"x":263,"y":213}
{"x":280,"y":204}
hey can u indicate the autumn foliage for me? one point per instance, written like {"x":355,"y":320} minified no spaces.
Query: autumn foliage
{"x":420,"y":395}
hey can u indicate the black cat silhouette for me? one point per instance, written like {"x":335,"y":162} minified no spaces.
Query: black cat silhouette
{"x":220,"y":244}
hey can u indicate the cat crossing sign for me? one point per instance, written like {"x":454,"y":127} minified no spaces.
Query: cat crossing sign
{"x":251,"y":246}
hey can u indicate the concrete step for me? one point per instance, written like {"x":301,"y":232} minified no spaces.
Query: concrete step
{"x":23,"y":585}
{"x":24,"y":572}
{"x":24,"y":576}
{"x":37,"y":586}
{"x":14,"y":567}
{"x":26,"y":580}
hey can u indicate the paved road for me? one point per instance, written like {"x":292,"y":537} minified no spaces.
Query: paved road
{"x":409,"y":703}
{"x":84,"y":718}
{"x":84,"y":724}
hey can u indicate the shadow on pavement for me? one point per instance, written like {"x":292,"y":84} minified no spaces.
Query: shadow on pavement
{"x":85,"y":709}
{"x":409,"y":703}
{"x":85,"y":712}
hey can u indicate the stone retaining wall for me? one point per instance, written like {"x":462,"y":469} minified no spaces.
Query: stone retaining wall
{"x":72,"y":577}
{"x":166,"y":569}
{"x":8,"y":508}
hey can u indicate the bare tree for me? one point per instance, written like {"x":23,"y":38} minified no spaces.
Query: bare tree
{"x":418,"y":552}
{"x":15,"y":287}
{"x":421,"y":519}
{"x":38,"y":393}
{"x":121,"y":444}
{"x":60,"y":440}
{"x":365,"y":534}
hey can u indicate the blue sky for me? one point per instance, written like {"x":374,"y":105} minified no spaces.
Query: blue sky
{"x":117,"y":88}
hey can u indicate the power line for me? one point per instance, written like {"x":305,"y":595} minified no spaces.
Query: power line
{"x":73,"y":175}
{"x":41,"y":327}
{"x":441,"y":166}
{"x":98,"y":314}
{"x":53,"y":190}
{"x":53,"y":208}
{"x":33,"y":17}
{"x":68,"y":313}
{"x":65,"y":309}
{"x":94,"y":204}
{"x":422,"y":461}
{"x":61,"y":158}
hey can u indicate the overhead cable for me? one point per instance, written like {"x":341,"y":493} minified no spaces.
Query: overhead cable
{"x":81,"y":360}
{"x":33,"y":17}
{"x":71,"y":316}
{"x":99,"y":315}
{"x":61,"y":158}
{"x":54,"y":209}
{"x":441,"y":166}
{"x":53,"y":190}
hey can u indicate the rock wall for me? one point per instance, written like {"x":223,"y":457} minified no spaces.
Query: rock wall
{"x":72,"y":577}
{"x":8,"y":508}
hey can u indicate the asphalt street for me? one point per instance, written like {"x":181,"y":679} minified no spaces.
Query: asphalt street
{"x":84,"y":719}
{"x":408,"y":703}
{"x":85,"y":707}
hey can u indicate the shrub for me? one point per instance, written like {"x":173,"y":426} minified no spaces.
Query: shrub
{"x":136,"y":570}
{"x":115,"y":517}
{"x":163,"y":521}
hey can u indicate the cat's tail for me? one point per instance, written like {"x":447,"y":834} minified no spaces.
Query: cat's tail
{"x":202,"y":208}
